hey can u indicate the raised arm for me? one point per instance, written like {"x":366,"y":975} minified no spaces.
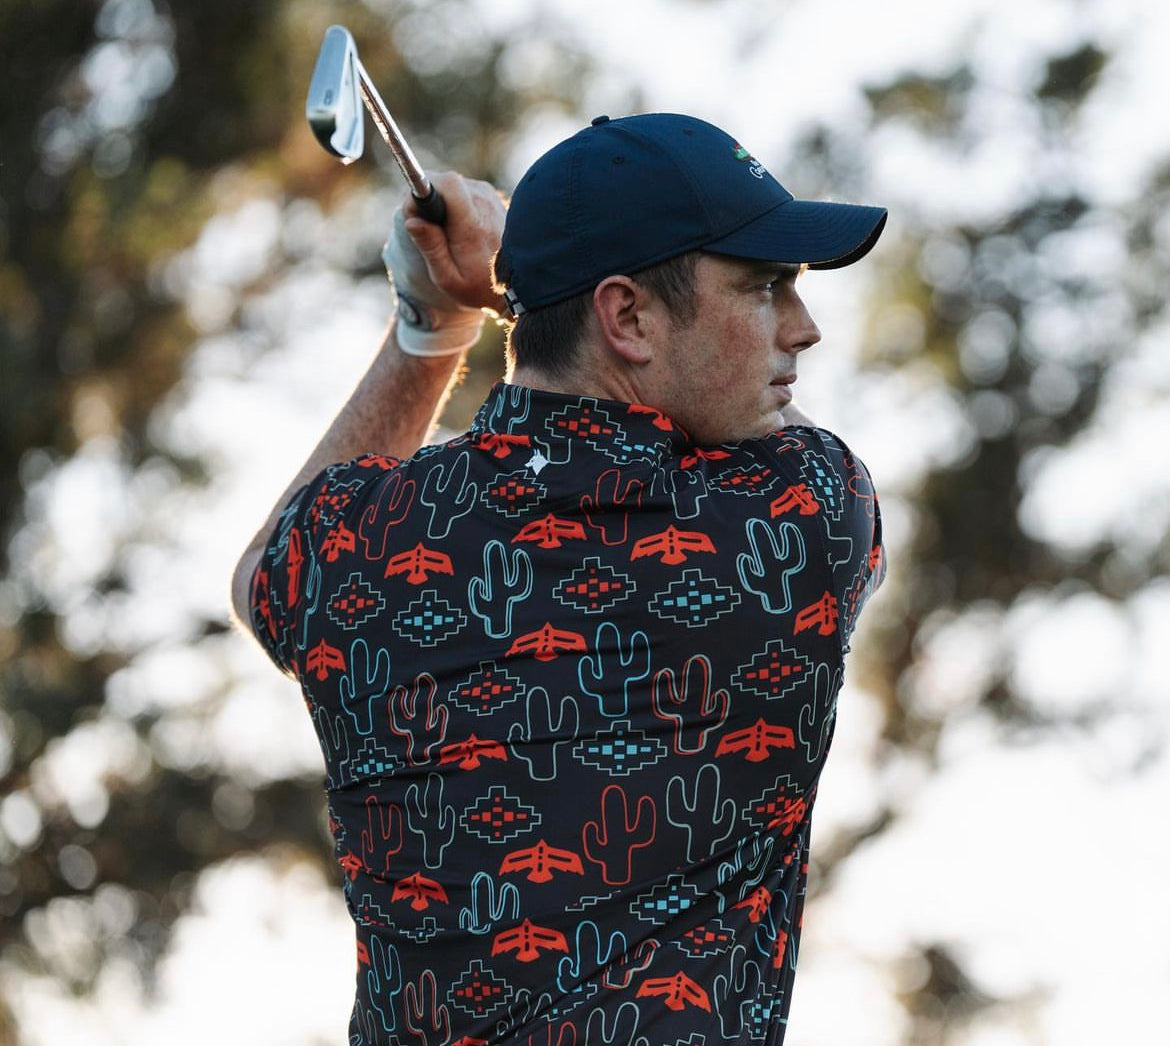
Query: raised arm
{"x":397,"y":400}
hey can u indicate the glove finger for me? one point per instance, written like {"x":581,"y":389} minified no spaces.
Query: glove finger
{"x":431,"y":242}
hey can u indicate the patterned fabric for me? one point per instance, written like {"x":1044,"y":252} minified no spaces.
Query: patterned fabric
{"x":574,"y":679}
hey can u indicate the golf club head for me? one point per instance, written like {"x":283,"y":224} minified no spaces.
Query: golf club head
{"x":334,"y":105}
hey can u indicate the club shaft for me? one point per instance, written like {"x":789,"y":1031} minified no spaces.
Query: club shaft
{"x":420,"y":184}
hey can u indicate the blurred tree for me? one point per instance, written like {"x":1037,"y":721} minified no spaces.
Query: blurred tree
{"x":137,"y":125}
{"x":134,"y":123}
{"x":982,"y":295}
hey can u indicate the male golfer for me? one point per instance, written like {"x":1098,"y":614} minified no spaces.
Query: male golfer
{"x":574,"y":672}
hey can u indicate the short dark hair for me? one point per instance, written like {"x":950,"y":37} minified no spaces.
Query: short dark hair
{"x":547,"y":338}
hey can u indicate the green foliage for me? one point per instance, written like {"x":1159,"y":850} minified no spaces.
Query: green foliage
{"x":96,"y":206}
{"x":935,"y":104}
{"x":1070,"y":77}
{"x":138,"y":124}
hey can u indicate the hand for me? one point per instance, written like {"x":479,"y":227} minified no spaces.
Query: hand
{"x":458,"y":255}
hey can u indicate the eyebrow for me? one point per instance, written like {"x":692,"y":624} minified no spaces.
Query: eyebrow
{"x":777,"y":270}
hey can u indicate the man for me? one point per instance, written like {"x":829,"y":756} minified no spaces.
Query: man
{"x":574,"y":672}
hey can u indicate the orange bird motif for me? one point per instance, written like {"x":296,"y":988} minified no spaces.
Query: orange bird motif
{"x":419,"y":891}
{"x":527,"y":940}
{"x":798,"y":497}
{"x":468,"y":753}
{"x":501,"y":444}
{"x":689,"y":461}
{"x":550,"y":531}
{"x":781,"y":948}
{"x":756,"y":740}
{"x":547,"y":643}
{"x":660,"y":420}
{"x":322,"y":658}
{"x":418,"y":564}
{"x":339,"y":539}
{"x":672,"y":544}
{"x":756,"y":903}
{"x":379,"y":461}
{"x":821,"y":615}
{"x":296,"y":559}
{"x":540,"y":861}
{"x":260,"y":597}
{"x":678,"y":991}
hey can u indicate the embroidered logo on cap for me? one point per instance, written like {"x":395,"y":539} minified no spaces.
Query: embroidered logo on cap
{"x":740,"y":153}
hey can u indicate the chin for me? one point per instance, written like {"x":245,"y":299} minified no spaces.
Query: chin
{"x":735,"y":433}
{"x":773,"y":420}
{"x":733,"y":430}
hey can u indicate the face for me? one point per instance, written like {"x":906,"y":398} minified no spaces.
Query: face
{"x":728,"y":375}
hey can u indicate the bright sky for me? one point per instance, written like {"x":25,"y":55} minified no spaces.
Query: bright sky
{"x":1041,"y":864}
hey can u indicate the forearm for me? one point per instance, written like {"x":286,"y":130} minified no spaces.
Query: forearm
{"x":447,"y":269}
{"x":390,"y":411}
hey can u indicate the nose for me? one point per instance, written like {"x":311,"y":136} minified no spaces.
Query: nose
{"x":802,"y":332}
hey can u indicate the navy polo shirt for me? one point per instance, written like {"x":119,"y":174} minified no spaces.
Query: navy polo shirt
{"x":574,"y":679}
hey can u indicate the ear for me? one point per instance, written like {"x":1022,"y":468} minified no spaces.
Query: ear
{"x":627,"y":319}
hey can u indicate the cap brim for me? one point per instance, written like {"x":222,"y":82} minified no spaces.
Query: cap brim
{"x":806,"y":232}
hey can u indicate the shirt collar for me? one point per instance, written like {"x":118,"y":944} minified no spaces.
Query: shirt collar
{"x":622,"y":431}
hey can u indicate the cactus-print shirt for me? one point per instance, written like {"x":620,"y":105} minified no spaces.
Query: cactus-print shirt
{"x":574,"y":679}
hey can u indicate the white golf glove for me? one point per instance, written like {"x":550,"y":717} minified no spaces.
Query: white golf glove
{"x":430,"y":321}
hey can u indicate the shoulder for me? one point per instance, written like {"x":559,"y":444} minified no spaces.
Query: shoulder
{"x":812,"y":444}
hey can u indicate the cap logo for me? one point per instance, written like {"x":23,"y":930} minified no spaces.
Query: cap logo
{"x":741,"y":154}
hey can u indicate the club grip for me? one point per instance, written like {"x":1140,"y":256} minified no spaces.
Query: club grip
{"x":432,"y":207}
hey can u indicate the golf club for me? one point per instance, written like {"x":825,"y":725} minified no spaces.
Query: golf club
{"x":339,"y":87}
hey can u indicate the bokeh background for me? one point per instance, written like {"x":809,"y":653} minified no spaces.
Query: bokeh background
{"x":189,"y":286}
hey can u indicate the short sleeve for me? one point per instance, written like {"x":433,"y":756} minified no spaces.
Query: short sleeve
{"x":835,"y":486}
{"x":287,"y":577}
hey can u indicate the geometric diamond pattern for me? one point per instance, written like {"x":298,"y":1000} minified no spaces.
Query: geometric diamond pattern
{"x":755,"y":1016}
{"x":620,"y":751}
{"x":757,"y":480}
{"x":825,"y":482}
{"x":498,"y":817}
{"x":422,"y":933}
{"x":624,"y":451}
{"x":487,"y":689}
{"x":368,"y":912}
{"x":429,"y":619}
{"x":479,"y":992}
{"x":701,"y":942}
{"x":665,"y":901}
{"x":593,"y":588}
{"x":372,"y":760}
{"x":512,"y":493}
{"x":354,"y":603}
{"x":694,"y":600}
{"x":781,"y":806}
{"x":586,"y":421}
{"x":774,"y":672}
{"x":582,"y":991}
{"x":328,"y":505}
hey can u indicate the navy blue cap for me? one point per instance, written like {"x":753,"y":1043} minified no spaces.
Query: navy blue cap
{"x":622,"y":195}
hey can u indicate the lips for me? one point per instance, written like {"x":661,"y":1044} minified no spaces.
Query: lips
{"x":785,"y":380}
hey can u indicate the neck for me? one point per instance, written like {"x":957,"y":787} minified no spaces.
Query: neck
{"x":580,"y":381}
